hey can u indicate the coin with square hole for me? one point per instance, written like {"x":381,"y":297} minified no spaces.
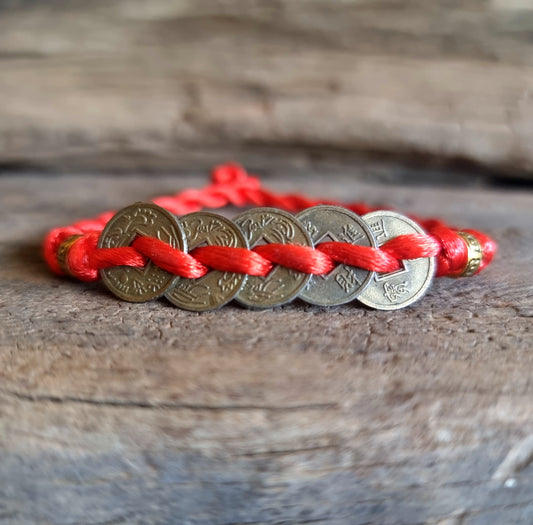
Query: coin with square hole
{"x":395,"y":290}
{"x":281,"y":285}
{"x":344,"y":283}
{"x":150,"y":282}
{"x":215,"y":288}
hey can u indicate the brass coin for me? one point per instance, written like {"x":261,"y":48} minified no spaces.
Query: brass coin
{"x":281,"y":285}
{"x":216,"y":288}
{"x":395,"y":290}
{"x":344,"y":283}
{"x":150,"y":282}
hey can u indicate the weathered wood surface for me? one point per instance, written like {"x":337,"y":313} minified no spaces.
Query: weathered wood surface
{"x":142,"y":413}
{"x":129,"y":83}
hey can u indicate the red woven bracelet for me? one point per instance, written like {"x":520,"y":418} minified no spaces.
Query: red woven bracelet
{"x":74,"y":250}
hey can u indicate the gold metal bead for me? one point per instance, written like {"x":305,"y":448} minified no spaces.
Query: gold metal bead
{"x":475,"y":254}
{"x":62,"y":253}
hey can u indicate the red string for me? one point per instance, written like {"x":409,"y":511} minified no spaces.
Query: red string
{"x":232,"y":185}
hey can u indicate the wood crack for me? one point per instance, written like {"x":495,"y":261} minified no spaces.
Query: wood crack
{"x":138,"y":404}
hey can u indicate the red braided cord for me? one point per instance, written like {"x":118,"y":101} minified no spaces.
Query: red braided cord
{"x":231,"y":185}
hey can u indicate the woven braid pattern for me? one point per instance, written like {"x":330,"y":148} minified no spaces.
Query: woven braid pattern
{"x":232,"y":185}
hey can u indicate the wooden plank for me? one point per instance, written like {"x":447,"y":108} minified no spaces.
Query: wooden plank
{"x":113,"y":412}
{"x":177,"y":83}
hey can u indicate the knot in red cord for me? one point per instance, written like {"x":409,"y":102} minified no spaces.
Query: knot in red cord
{"x":233,"y":183}
{"x":80,"y":258}
{"x":231,"y":174}
{"x":453,"y":255}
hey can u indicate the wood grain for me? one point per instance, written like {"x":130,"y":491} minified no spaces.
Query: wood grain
{"x":160,"y":84}
{"x":113,"y":412}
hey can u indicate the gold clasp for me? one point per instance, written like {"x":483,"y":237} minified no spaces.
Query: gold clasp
{"x":62,"y":253}
{"x":474,"y":254}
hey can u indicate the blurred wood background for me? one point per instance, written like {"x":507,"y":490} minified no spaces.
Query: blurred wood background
{"x":161,"y":84}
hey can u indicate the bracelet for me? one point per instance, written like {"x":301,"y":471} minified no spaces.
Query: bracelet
{"x":287,"y":246}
